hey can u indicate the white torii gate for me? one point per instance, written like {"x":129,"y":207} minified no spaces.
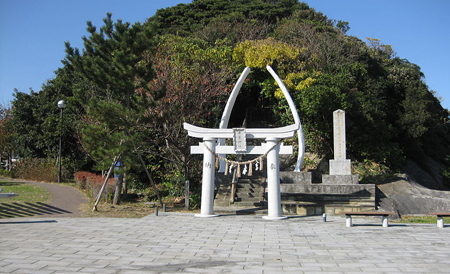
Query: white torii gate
{"x":210,"y":148}
{"x":272,"y":148}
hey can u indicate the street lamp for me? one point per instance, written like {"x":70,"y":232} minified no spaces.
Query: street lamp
{"x":62,"y":106}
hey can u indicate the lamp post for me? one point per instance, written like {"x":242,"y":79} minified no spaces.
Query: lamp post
{"x":62,"y":106}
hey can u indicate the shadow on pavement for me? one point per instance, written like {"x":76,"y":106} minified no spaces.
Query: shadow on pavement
{"x":11,"y":210}
{"x":28,"y":222}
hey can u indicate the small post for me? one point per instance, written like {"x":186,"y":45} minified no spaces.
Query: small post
{"x":156,"y":211}
{"x":348,"y":221}
{"x":186,"y":195}
{"x":440,"y":222}
{"x":324,"y":217}
{"x":384,"y":220}
{"x":164,"y":207}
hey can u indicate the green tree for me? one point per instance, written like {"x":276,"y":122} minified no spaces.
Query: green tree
{"x":191,"y":85}
{"x":185,"y":19}
{"x":37,"y":125}
{"x":108,"y":65}
{"x":6,"y":133}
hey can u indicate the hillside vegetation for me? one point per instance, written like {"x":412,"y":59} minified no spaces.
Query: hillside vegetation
{"x":130,"y":88}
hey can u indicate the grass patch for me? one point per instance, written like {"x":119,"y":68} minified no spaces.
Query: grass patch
{"x":425,"y":219}
{"x":27,"y":193}
{"x":30,"y":202}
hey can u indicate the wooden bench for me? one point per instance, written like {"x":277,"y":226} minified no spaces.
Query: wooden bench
{"x":384,"y":216}
{"x":440,"y":217}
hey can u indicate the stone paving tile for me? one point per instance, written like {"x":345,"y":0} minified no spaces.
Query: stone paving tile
{"x":174,"y":242}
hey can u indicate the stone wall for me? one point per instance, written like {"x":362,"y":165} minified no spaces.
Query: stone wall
{"x":301,"y":197}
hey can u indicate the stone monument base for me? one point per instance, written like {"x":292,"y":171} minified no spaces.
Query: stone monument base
{"x":340,"y":167}
{"x":340,"y":179}
{"x":336,"y":193}
{"x":316,"y":199}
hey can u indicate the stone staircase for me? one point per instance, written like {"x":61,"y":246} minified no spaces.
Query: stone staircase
{"x":250,"y":192}
{"x":249,"y":198}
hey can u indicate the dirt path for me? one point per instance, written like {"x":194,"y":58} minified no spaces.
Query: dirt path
{"x":65,"y":202}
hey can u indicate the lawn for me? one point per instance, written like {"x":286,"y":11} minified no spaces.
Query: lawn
{"x":30,"y":202}
{"x":422,"y":219}
{"x":27,"y":193}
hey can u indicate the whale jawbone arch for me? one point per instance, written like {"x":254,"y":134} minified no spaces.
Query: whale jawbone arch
{"x":232,"y":99}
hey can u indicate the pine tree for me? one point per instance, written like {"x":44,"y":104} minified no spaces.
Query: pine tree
{"x":109,"y":64}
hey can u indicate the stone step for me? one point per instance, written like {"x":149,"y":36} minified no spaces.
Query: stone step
{"x":248,"y":199}
{"x":248,"y":188}
{"x":259,"y":190}
{"x":249,"y":185}
{"x":251,"y":194}
{"x":249,"y":204}
{"x":240,"y":210}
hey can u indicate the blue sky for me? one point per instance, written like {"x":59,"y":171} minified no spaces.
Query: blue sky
{"x":32,"y":33}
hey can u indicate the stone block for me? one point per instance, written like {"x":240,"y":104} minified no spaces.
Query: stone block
{"x":340,"y":167}
{"x":289,"y":208}
{"x":340,"y":179}
{"x":310,"y":211}
{"x":318,"y":210}
{"x":364,"y":189}
{"x":291,"y":177}
{"x":301,"y":210}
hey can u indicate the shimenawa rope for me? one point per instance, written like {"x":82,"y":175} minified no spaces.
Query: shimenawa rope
{"x":238,"y":164}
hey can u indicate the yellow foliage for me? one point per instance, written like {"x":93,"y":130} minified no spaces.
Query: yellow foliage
{"x":297,"y":82}
{"x":260,"y":53}
{"x":278,"y":93}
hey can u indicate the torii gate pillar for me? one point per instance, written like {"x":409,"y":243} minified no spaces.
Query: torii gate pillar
{"x":208,"y":177}
{"x":273,"y":181}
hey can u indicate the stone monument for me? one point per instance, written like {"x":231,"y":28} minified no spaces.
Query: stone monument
{"x":340,"y":166}
{"x":339,"y":191}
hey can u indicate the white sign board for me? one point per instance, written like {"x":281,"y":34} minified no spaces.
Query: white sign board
{"x":239,"y":140}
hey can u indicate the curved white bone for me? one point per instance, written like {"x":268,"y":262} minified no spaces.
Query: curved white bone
{"x":228,"y":108}
{"x":301,"y":137}
{"x":234,"y":93}
{"x":231,"y":101}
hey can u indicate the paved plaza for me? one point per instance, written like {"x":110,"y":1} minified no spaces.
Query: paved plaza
{"x":179,"y":242}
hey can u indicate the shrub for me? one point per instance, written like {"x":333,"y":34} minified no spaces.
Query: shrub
{"x":371,"y":172}
{"x":92,"y":183}
{"x":6,"y":173}
{"x":195,"y":200}
{"x":38,"y":169}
